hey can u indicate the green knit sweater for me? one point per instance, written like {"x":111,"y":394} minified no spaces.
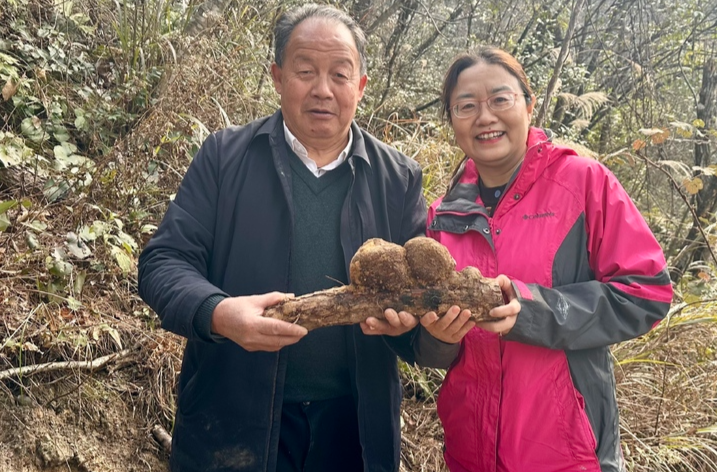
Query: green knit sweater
{"x":318,"y":364}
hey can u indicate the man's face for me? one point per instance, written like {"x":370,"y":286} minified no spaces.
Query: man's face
{"x":320,"y":83}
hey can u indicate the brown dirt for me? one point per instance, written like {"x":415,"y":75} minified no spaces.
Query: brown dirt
{"x":90,"y":430}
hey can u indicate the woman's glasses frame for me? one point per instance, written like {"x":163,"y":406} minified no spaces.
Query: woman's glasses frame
{"x":501,"y":101}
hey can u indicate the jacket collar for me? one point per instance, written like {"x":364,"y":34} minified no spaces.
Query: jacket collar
{"x":273,"y":127}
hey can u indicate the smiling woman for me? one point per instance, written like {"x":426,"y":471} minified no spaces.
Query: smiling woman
{"x":577,"y":264}
{"x":491,"y":117}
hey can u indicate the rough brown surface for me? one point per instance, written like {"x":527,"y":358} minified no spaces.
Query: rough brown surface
{"x":428,"y":261}
{"x":379,"y":265}
{"x":90,"y":430}
{"x":429,"y":284}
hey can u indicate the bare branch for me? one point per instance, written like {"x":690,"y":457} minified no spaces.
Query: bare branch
{"x":66,"y":365}
{"x":559,"y":63}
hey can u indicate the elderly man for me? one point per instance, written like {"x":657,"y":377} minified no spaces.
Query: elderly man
{"x":282,"y":204}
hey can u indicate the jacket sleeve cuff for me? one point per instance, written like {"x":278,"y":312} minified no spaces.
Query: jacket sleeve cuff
{"x":523,"y":327}
{"x":432,"y":352}
{"x":202,"y":322}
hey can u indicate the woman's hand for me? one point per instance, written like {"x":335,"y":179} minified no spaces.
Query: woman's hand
{"x":451,"y":327}
{"x":508,"y":312}
{"x":393,"y":324}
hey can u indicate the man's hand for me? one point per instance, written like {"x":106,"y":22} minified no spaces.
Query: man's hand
{"x":509,"y":311}
{"x":240,"y":319}
{"x":451,"y":327}
{"x":395,"y":324}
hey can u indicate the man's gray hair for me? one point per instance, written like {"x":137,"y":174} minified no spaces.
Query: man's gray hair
{"x":290,"y":19}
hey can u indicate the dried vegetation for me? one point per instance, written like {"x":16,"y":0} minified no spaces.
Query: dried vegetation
{"x":69,"y":244}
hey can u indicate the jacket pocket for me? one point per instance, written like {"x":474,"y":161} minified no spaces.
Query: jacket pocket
{"x":587,"y":428}
{"x":573,"y":423}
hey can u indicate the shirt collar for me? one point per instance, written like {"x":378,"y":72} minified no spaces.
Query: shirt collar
{"x":300,"y":150}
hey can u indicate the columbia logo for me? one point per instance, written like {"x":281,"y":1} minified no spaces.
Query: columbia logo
{"x":548,"y":214}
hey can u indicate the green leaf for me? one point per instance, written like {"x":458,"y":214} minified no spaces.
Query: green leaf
{"x":91,"y":233}
{"x":31,"y":240}
{"x":61,"y":134}
{"x":8,"y":205}
{"x":123,"y":260}
{"x":33,"y":130}
{"x":55,"y":190}
{"x":60,"y":152}
{"x":79,"y":283}
{"x":73,"y":304}
{"x":4,"y":222}
{"x":38,"y":226}
{"x":81,"y":123}
{"x":4,"y":58}
{"x":59,"y":269}
{"x":9,"y":156}
{"x":127,"y":241}
{"x":76,"y":246}
{"x":148,"y":229}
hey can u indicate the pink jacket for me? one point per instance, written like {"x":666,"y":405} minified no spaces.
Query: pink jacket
{"x":589,"y":274}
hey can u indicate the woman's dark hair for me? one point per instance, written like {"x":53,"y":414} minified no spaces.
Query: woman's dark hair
{"x":488,"y":55}
{"x":289,"y":20}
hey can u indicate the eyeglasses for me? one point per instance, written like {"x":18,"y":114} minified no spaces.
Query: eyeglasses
{"x":499,"y":102}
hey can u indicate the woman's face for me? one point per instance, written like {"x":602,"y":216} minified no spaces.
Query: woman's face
{"x":495,"y":140}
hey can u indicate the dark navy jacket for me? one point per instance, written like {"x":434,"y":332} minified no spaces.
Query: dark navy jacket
{"x":228,"y":232}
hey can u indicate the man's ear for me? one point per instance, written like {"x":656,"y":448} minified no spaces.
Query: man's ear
{"x":362,"y":85}
{"x":276,"y":76}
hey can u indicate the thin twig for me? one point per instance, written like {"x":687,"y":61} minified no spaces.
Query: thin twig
{"x":684,"y":198}
{"x":162,"y":437}
{"x":54,"y":366}
{"x":577,"y":7}
{"x":409,"y":443}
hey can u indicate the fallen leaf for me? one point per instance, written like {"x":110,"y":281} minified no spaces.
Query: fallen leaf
{"x":9,"y":89}
{"x":28,"y":346}
{"x":76,"y":246}
{"x":66,"y":314}
{"x":122,"y":258}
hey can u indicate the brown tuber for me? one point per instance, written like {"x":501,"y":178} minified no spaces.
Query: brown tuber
{"x":380,"y":266}
{"x":418,"y":278}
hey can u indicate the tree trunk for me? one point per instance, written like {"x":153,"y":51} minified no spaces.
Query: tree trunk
{"x":706,"y":199}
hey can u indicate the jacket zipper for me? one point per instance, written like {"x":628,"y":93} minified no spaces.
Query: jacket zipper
{"x":513,"y":180}
{"x":500,"y":351}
